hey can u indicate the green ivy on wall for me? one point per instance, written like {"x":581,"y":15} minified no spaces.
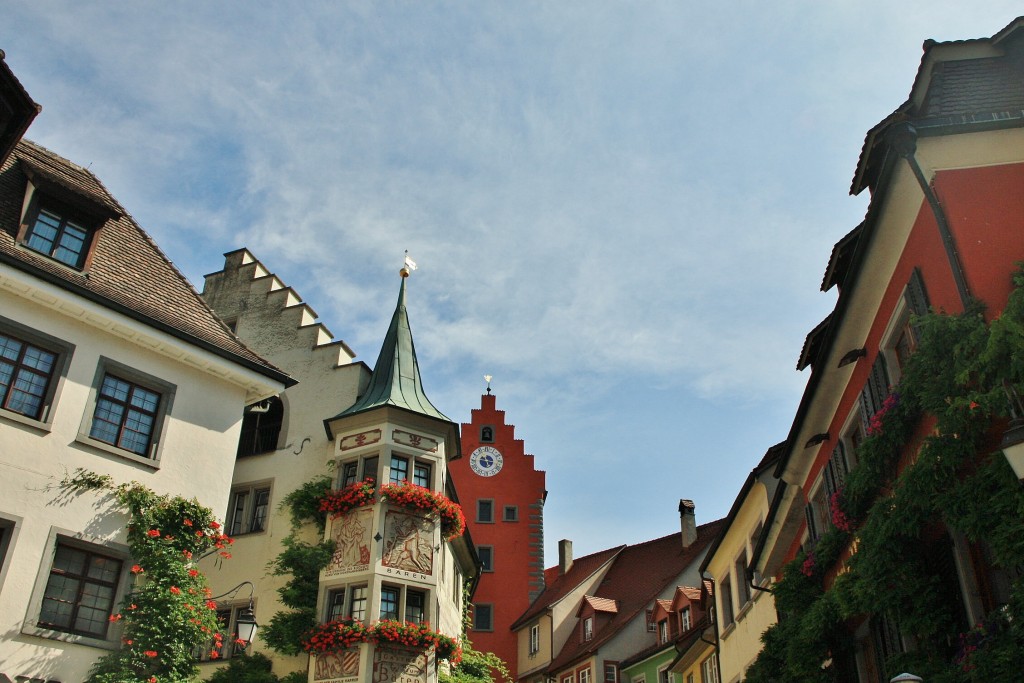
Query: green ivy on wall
{"x":931,"y":460}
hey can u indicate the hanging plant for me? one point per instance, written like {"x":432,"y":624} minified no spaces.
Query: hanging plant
{"x":337,"y":502}
{"x":941,"y":424}
{"x":167,"y":615}
{"x":413,"y":497}
{"x":335,"y":636}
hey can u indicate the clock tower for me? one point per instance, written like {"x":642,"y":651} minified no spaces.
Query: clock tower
{"x":502,"y":495}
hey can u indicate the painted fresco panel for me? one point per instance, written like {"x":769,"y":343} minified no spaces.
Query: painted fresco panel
{"x":351,"y":536}
{"x":408,"y":543}
{"x":402,"y":665}
{"x":337,"y":667}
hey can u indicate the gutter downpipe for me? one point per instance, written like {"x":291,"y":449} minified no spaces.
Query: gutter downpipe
{"x":903,"y":139}
{"x":714,"y":619}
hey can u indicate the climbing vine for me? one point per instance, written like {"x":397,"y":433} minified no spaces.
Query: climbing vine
{"x":167,"y":615}
{"x":930,"y":460}
{"x":301,"y":561}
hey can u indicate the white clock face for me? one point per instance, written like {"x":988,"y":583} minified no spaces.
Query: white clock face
{"x":486,"y":461}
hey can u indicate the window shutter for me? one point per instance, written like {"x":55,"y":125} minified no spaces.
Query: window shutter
{"x":839,"y":465}
{"x":915,"y":294}
{"x":875,"y":391}
{"x":812,"y":530}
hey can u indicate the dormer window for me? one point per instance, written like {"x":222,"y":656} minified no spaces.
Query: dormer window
{"x":56,"y":232}
{"x":61,"y":220}
{"x":588,"y":628}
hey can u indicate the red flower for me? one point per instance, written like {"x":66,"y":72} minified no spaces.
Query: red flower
{"x":193,"y":572}
{"x":153,"y":533}
{"x":136,"y":569}
{"x":214,"y":525}
{"x":150,"y":653}
{"x":175,"y":590}
{"x":187,"y":522}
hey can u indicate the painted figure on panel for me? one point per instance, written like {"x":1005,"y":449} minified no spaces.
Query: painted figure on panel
{"x":408,"y":543}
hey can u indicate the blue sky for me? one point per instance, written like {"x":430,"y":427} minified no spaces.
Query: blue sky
{"x":621,"y":210}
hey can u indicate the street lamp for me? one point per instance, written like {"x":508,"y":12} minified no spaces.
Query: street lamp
{"x":1013,"y":438}
{"x":245,"y":624}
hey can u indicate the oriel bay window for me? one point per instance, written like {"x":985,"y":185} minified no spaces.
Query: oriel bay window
{"x":399,"y":471}
{"x":358,"y":470}
{"x":346,"y":603}
{"x":403,"y":604}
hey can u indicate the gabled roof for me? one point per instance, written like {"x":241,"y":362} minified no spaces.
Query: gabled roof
{"x":599,"y":604}
{"x":18,"y":109}
{"x":128,"y":272}
{"x":396,"y":375}
{"x":962,"y":84}
{"x":558,"y":585}
{"x":637,"y":575}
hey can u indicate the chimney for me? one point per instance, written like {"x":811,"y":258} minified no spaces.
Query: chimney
{"x":687,"y":522}
{"x":564,"y":556}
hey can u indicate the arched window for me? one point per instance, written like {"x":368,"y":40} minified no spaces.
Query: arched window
{"x":261,"y":427}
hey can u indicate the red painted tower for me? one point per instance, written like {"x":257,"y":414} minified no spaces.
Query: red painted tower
{"x":502,"y":495}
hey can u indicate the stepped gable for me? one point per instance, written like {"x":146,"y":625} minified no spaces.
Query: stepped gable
{"x":270,"y":315}
{"x":638,"y":574}
{"x":127,"y":272}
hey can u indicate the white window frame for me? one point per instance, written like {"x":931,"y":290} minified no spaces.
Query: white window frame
{"x":588,"y":630}
{"x":709,"y":670}
{"x":534,"y":639}
{"x":584,"y":675}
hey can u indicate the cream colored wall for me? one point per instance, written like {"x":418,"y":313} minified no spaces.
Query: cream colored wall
{"x":528,"y":663}
{"x":740,"y":642}
{"x":196,"y":458}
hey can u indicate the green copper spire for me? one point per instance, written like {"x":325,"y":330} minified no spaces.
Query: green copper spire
{"x":396,"y":376}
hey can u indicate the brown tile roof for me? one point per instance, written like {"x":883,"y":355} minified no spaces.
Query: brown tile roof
{"x":601,"y":604}
{"x":128,"y":272}
{"x":691,"y":592}
{"x":637,"y":575}
{"x":559,"y":585}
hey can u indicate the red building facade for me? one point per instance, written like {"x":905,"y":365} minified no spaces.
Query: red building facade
{"x":502,"y":494}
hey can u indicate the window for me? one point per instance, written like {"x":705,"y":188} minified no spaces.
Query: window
{"x":663,"y":631}
{"x":227,"y":617}
{"x":511,"y":513}
{"x":399,"y":469}
{"x":351,"y":470}
{"x":80,"y":591}
{"x":357,"y":607}
{"x":129,"y":413}
{"x":663,"y":675}
{"x":415,"y":606}
{"x":689,"y":678}
{"x":421,"y":474}
{"x":588,"y":628}
{"x":817,"y":513}
{"x":611,"y":672}
{"x":534,"y":639}
{"x":651,"y":626}
{"x":569,"y":678}
{"x":485,"y":511}
{"x":247,"y":513}
{"x":335,"y":604}
{"x":55,"y":231}
{"x":585,"y":675}
{"x":261,"y":427}
{"x":742,"y":587}
{"x":487,"y":434}
{"x":31,"y":365}
{"x":900,"y":337}
{"x":684,"y":619}
{"x":483,"y":617}
{"x":709,"y":670}
{"x":725,"y":594}
{"x":486,"y":555}
{"x":389,"y":602}
{"x":25,"y":375}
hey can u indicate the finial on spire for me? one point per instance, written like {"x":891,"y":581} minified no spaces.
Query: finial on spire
{"x":488,"y":379}
{"x":408,"y":266}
